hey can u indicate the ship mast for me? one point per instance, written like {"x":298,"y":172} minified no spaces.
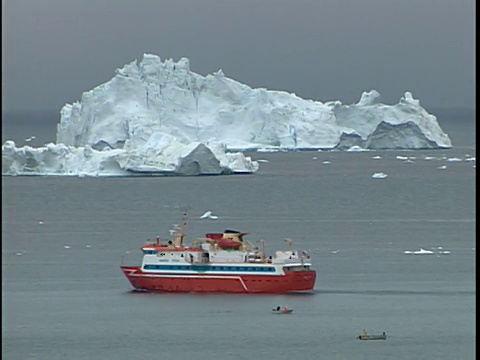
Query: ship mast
{"x":180,"y":236}
{"x":262,"y":249}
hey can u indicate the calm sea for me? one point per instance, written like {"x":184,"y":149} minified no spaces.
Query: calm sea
{"x":63,"y":240}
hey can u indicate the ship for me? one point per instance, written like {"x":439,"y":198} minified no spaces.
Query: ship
{"x":223,"y":262}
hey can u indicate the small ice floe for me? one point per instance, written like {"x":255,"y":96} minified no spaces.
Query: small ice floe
{"x":419,"y":252}
{"x":19,"y":253}
{"x":30,"y":138}
{"x":444,"y":252}
{"x":435,"y":158}
{"x":399,"y":157}
{"x":40,"y":222}
{"x":89,"y":246}
{"x":408,"y":161}
{"x":326,"y":162}
{"x":454,"y":159}
{"x":334,"y":251}
{"x":376,"y":157}
{"x":314,"y":158}
{"x":357,"y":148}
{"x":379,"y":175}
{"x":469,"y":158}
{"x":262,"y":161}
{"x":67,"y":247}
{"x":208,"y":215}
{"x":443,"y":167}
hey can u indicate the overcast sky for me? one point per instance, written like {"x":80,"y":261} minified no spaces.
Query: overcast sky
{"x":54,"y":50}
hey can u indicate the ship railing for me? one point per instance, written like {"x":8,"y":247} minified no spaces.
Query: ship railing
{"x":200,"y":261}
{"x":295,"y":260}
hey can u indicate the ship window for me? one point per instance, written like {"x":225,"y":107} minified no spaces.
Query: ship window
{"x":149,"y":252}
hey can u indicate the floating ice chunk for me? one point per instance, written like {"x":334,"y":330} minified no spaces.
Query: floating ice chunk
{"x":379,"y":175}
{"x":262,"y":161}
{"x":399,"y":157}
{"x":208,"y":215}
{"x":376,"y":157}
{"x":419,"y":252}
{"x":30,"y":139}
{"x":67,"y":247}
{"x":40,"y":222}
{"x":326,"y":162}
{"x":443,"y":167}
{"x":314,"y":158}
{"x":470,"y":159}
{"x":454,"y":159}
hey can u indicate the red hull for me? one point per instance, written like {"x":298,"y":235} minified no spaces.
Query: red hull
{"x":295,"y":281}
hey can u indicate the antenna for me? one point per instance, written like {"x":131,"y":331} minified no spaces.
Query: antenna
{"x":289,"y":242}
{"x":262,"y":251}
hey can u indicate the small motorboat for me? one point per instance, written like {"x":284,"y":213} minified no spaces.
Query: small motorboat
{"x":366,"y":336}
{"x":283,"y":310}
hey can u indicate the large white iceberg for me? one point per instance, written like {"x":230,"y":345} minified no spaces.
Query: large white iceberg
{"x":161,"y":118}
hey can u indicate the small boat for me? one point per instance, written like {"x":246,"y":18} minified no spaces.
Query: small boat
{"x":282,"y":311}
{"x":372,"y":337}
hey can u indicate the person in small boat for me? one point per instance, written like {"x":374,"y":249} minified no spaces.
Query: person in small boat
{"x":364,"y":332}
{"x":278,"y":308}
{"x":285,"y":308}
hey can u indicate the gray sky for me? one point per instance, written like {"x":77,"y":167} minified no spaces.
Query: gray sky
{"x":54,"y":50}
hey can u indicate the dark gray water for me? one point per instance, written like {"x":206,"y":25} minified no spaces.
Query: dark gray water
{"x":64,"y":296}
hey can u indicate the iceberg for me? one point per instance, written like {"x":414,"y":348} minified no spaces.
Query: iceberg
{"x":160,"y":118}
